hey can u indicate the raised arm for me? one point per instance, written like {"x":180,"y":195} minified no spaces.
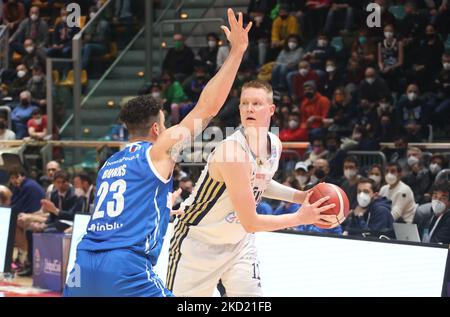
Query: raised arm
{"x":211,"y":99}
{"x":234,"y":169}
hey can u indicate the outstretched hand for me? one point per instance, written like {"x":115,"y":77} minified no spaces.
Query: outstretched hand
{"x":237,"y":35}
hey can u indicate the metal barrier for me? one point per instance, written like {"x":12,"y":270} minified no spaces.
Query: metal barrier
{"x":367,"y":158}
{"x":443,"y":175}
{"x":4,"y":47}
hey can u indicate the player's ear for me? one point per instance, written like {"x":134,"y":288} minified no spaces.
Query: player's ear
{"x":272,"y":109}
{"x":154,"y":130}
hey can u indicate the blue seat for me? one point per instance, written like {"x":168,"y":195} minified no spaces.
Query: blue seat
{"x":398,"y":11}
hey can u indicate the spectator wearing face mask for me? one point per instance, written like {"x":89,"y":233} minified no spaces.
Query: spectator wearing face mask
{"x":364,"y":50}
{"x":208,"y":55}
{"x":316,"y":152}
{"x":350,"y":180}
{"x":390,"y":57}
{"x":427,"y":64}
{"x":20,"y":82}
{"x":417,"y":177}
{"x":37,"y":85}
{"x":180,"y":59}
{"x":413,"y":113}
{"x":320,"y":174}
{"x":319,"y":53}
{"x":372,"y":212}
{"x":366,"y":117}
{"x":5,"y":133}
{"x":283,"y":25}
{"x":62,"y":37}
{"x":297,"y":79}
{"x":33,"y":28}
{"x":401,"y":195}
{"x":37,"y":125}
{"x":313,"y":110}
{"x":194,"y":85}
{"x":372,"y":88}
{"x":259,"y":36}
{"x":438,"y":162}
{"x":21,"y":114}
{"x":46,"y":180}
{"x":399,"y":153}
{"x":386,"y":126}
{"x":301,"y":174}
{"x":331,"y":80}
{"x":85,"y":189}
{"x":293,"y":132}
{"x":32,"y":56}
{"x":442,"y":88}
{"x":376,"y":173}
{"x":286,"y":62}
{"x":341,"y":114}
{"x":438,"y":228}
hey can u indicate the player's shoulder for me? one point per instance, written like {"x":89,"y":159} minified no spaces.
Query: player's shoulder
{"x":276,"y":141}
{"x":230,"y":151}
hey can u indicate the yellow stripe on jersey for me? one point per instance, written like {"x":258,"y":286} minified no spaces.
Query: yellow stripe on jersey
{"x":181,"y":231}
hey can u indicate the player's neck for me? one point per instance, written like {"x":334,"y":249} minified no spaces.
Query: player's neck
{"x":258,"y":141}
{"x":133,"y":139}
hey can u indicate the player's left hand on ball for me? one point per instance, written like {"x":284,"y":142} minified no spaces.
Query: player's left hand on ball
{"x":237,"y":35}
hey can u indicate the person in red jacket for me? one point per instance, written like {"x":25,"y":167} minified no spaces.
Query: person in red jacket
{"x":297,"y":79}
{"x":313,"y":109}
{"x":293,"y":132}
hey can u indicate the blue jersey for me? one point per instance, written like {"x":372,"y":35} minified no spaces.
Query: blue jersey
{"x":132,"y":205}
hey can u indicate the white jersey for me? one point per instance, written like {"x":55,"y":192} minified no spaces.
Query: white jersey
{"x":209,"y":215}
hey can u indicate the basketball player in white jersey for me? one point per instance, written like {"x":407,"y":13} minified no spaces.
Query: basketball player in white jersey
{"x":213,"y":240}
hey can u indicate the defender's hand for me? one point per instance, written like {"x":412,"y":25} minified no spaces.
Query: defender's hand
{"x":237,"y":36}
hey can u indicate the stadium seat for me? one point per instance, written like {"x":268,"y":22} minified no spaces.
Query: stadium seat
{"x":17,"y":58}
{"x":398,"y":11}
{"x":112,"y":54}
{"x":69,"y":81}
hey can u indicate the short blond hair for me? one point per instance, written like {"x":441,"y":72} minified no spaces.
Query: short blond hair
{"x":260,"y":84}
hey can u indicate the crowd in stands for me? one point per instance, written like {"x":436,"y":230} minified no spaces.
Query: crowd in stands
{"x":338,"y":84}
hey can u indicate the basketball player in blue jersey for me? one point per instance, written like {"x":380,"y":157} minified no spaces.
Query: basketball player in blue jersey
{"x":133,"y":200}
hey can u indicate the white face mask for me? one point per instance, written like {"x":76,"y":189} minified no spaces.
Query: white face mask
{"x":370,"y":80}
{"x":21,"y":73}
{"x":302,"y":179}
{"x":388,"y":35}
{"x":391,"y":179}
{"x":38,"y":121}
{"x":363,"y":199}
{"x":34,"y":17}
{"x":384,"y":106}
{"x":330,"y":69}
{"x":212,"y":44}
{"x":79,"y":192}
{"x":292,"y":45}
{"x":293,"y":124}
{"x":435,"y":168}
{"x":303,"y":71}
{"x":259,"y":18}
{"x":29,"y":49}
{"x":349,"y":173}
{"x":412,"y":96}
{"x":314,"y":179}
{"x":376,"y":178}
{"x":438,"y":207}
{"x":412,"y":160}
{"x":446,"y":66}
{"x":322,"y":43}
{"x":156,"y":94}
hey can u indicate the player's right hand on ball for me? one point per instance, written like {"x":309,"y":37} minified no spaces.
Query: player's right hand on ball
{"x":236,"y":34}
{"x":311,"y":213}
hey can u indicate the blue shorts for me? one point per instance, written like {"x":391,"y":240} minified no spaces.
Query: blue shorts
{"x":114,"y":273}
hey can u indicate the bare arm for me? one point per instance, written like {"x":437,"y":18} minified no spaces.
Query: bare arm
{"x":235,"y":172}
{"x":211,"y":100}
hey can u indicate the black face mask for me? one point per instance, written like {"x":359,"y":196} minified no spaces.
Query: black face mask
{"x":24,"y":102}
{"x":332,"y":148}
{"x":430,"y":36}
{"x":309,"y":95}
{"x":283,"y":17}
{"x":319,"y":173}
{"x":185,"y":194}
{"x":2,"y":125}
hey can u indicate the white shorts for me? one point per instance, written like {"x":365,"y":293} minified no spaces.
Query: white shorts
{"x":196,"y":268}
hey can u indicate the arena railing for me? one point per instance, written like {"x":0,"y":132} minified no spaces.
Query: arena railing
{"x":4,"y":47}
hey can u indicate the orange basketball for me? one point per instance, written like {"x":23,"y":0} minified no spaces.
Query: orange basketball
{"x":337,"y":196}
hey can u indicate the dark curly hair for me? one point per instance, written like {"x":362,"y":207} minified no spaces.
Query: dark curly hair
{"x":140,"y":113}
